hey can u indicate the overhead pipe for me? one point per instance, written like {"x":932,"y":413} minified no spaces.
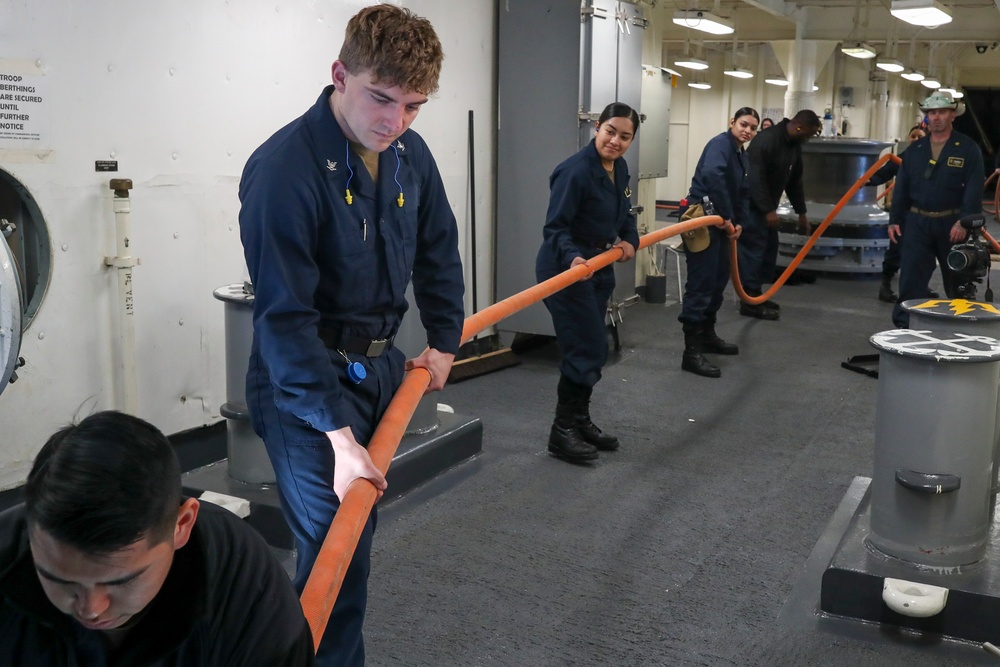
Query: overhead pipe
{"x":128,"y":393}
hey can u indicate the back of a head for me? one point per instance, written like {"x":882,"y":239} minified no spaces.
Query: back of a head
{"x":395,"y":46}
{"x":807,"y":118}
{"x":104,"y":484}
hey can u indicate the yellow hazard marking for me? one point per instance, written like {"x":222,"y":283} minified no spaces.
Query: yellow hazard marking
{"x":959,"y":306}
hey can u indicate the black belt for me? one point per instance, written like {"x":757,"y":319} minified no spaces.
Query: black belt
{"x":935,"y":214}
{"x":355,"y":345}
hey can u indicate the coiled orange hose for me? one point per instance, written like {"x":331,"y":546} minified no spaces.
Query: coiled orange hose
{"x":734,"y":268}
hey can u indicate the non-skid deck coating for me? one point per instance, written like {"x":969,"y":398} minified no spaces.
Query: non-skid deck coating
{"x":689,"y":546}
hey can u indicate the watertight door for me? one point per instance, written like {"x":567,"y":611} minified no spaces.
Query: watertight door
{"x":11,"y":308}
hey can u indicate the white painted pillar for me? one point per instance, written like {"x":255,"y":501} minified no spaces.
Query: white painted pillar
{"x":801,"y":73}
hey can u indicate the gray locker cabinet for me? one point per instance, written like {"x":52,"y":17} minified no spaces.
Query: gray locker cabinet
{"x":560,"y":64}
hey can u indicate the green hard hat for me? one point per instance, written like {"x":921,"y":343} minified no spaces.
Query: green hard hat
{"x":938,"y":100}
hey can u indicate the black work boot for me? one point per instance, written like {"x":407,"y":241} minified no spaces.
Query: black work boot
{"x":565,"y":443}
{"x":588,"y":430}
{"x":885,"y":292}
{"x":564,"y":438}
{"x":760,"y":311}
{"x":712,"y":344}
{"x":693,"y":360}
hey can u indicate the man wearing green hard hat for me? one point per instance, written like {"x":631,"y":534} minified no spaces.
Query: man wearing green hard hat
{"x":939,"y":181}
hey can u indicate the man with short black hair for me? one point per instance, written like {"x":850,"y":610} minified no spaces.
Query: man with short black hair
{"x":105,"y":563}
{"x":775,"y":157}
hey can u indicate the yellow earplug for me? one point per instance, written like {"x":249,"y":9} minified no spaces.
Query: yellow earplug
{"x":399,"y":200}
{"x":349,"y":198}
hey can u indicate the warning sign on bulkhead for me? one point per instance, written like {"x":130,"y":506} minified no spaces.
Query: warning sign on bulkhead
{"x":23,"y":110}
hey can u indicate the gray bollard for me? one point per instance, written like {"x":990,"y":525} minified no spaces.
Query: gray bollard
{"x":961,"y":316}
{"x":934,"y":435}
{"x":248,"y":460}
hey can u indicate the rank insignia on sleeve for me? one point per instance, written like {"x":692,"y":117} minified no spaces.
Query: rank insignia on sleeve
{"x":628,"y":191}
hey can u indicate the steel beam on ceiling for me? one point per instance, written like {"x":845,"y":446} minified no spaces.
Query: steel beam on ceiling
{"x":779,"y":8}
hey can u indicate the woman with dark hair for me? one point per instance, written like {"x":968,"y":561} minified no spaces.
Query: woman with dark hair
{"x":721,"y":177}
{"x":766,"y":123}
{"x":589,"y":212}
{"x":891,"y":258}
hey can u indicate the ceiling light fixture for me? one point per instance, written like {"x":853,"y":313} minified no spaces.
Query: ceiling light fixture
{"x":739,"y":72}
{"x":926,"y":13}
{"x":889,"y":65}
{"x":930,"y":82}
{"x":700,"y":85}
{"x":671,"y":71}
{"x":913,"y":75}
{"x":858,"y":50}
{"x":776,"y":81}
{"x":704,"y":21}
{"x":692,"y":63}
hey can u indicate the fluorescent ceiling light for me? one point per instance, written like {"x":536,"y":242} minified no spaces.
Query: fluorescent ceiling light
{"x":957,"y":94}
{"x":704,"y":21}
{"x":926,"y":13}
{"x":951,"y":91}
{"x":913,"y":75}
{"x":931,"y":82}
{"x":739,"y":73}
{"x":890,"y":65}
{"x":777,"y":81}
{"x":692,"y":63}
{"x":858,"y":50}
{"x":700,"y":85}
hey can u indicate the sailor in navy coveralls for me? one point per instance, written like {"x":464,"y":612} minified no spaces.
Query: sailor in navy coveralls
{"x":339,"y":207}
{"x":939,"y":181}
{"x":589,"y":212}
{"x":721,"y":175}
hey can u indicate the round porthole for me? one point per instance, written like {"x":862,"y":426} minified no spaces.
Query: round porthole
{"x":27,"y":236}
{"x":25,"y":268}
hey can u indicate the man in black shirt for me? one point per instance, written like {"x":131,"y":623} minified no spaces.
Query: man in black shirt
{"x":106,"y":564}
{"x":775,"y":157}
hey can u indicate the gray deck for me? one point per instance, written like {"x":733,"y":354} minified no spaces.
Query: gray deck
{"x":689,"y":546}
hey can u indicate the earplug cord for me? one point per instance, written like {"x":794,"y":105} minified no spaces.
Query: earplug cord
{"x":395,"y":177}
{"x":347,"y":161}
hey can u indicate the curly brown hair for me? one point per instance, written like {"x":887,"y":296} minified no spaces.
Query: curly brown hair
{"x":396,"y":46}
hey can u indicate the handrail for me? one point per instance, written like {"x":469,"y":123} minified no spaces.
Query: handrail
{"x":335,"y":555}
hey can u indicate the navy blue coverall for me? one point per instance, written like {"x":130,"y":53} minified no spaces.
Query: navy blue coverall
{"x":890,"y":260}
{"x":329,"y":277}
{"x":587,"y":214}
{"x":775,"y":166}
{"x":930,"y":195}
{"x":721,"y":175}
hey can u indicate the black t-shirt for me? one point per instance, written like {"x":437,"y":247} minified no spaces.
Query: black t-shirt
{"x":225,"y":602}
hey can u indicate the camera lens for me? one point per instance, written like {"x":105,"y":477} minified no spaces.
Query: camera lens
{"x":961,"y":259}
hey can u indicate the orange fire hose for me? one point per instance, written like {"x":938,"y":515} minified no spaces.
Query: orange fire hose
{"x":996,"y":198}
{"x":328,"y":572}
{"x":734,"y":268}
{"x":327,"y":575}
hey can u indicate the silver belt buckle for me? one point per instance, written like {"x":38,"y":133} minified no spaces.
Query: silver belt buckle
{"x":377,"y":347}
